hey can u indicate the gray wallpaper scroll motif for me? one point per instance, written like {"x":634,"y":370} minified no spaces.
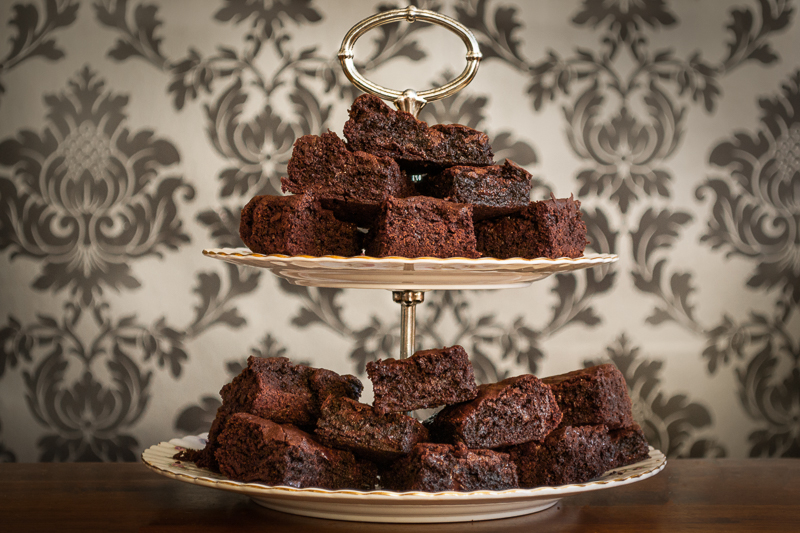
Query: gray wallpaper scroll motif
{"x":625,"y":104}
{"x":755,"y":213}
{"x":34,"y":32}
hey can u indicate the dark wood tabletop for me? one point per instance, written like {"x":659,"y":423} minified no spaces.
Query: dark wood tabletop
{"x":689,"y":495}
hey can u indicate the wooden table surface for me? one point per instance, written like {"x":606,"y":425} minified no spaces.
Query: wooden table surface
{"x":689,"y":495}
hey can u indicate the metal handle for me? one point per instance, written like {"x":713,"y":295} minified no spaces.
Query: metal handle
{"x":409,"y":100}
{"x":408,"y":301}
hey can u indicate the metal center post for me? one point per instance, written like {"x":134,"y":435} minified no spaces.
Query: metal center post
{"x":408,"y":301}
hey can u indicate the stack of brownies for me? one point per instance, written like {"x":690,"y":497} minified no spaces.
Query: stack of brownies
{"x":287,"y":424}
{"x":401,"y":188}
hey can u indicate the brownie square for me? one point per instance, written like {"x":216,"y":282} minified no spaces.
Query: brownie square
{"x":549,"y":228}
{"x":255,"y":449}
{"x":429,"y":378}
{"x":568,"y":455}
{"x":352,"y":184}
{"x":350,"y":425}
{"x":275,"y":389}
{"x":422,"y":227}
{"x":596,"y":395}
{"x":376,"y":128}
{"x":493,"y":191}
{"x":628,"y":446}
{"x":296,"y":225}
{"x":443,"y":467}
{"x":516,"y":410}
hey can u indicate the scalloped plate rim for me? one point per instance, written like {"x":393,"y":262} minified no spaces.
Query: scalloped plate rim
{"x":260,"y":489}
{"x":357,"y":259}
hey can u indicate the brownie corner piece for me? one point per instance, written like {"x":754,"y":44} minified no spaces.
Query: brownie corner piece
{"x":515,"y":410}
{"x":348,"y":424}
{"x":629,"y":445}
{"x":493,"y":190}
{"x":570,"y":454}
{"x":351,"y":183}
{"x":376,"y":128}
{"x":419,"y":226}
{"x":296,"y":225}
{"x":429,"y":378}
{"x":444,"y":467}
{"x":594,"y":395}
{"x":276,"y":389}
{"x":255,"y":449}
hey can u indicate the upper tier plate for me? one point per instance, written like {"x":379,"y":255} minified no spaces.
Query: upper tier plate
{"x":402,"y":273}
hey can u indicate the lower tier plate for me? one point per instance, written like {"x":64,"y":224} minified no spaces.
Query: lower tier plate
{"x":386,"y":506}
{"x":403,"y":273}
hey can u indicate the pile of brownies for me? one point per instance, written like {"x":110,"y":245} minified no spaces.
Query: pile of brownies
{"x":401,"y":188}
{"x":293,"y":425}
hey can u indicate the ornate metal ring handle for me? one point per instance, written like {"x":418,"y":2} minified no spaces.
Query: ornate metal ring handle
{"x":410,"y":100}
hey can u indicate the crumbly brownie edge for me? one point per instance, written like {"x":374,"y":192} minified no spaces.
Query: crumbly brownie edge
{"x":428,"y":378}
{"x":422,"y":227}
{"x":515,"y":410}
{"x":442,"y":467}
{"x":350,"y":425}
{"x":568,"y":455}
{"x":595,"y":395}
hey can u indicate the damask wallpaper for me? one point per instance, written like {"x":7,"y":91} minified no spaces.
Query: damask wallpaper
{"x":132,"y":133}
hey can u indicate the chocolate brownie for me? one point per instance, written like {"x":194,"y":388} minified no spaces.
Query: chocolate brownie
{"x":429,"y":378}
{"x":628,"y":446}
{"x":255,"y":449}
{"x":443,"y":467}
{"x":596,"y":395}
{"x":352,"y":184}
{"x":422,"y":227}
{"x":354,"y":426}
{"x":549,"y":228}
{"x":568,"y":455}
{"x":376,"y":128}
{"x":515,"y":410}
{"x":296,"y":225}
{"x":493,"y":191}
{"x":275,"y":389}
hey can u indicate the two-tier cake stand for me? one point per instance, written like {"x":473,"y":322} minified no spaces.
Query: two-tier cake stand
{"x":408,"y":279}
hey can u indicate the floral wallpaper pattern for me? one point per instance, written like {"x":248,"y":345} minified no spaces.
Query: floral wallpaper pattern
{"x":132,"y":133}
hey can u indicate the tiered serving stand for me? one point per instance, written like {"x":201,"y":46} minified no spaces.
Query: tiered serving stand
{"x":408,"y":279}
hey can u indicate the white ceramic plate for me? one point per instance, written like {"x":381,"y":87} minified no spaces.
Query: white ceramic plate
{"x":402,"y":273}
{"x":386,"y":506}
